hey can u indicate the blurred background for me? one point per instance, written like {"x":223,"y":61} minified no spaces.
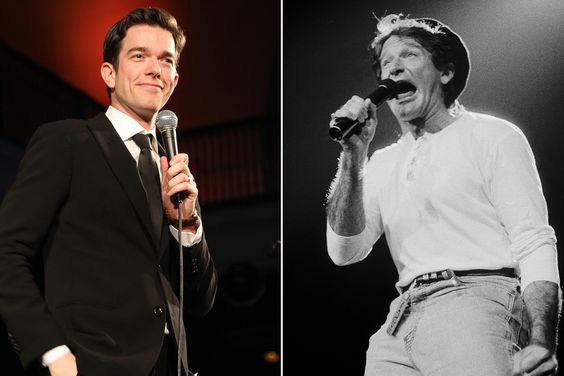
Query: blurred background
{"x":516,"y":51}
{"x":228,"y":105}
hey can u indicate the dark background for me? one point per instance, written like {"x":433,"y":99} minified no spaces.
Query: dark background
{"x":516,"y":51}
{"x":228,"y":105}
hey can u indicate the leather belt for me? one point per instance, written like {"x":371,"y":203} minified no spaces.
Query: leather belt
{"x":447,"y":274}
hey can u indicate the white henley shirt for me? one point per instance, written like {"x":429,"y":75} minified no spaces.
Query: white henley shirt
{"x":467,"y":197}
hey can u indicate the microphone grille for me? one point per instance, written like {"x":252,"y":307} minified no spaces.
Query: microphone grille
{"x":166,"y":120}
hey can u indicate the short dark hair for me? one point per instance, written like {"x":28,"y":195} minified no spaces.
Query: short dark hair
{"x":429,"y":38}
{"x":142,"y":16}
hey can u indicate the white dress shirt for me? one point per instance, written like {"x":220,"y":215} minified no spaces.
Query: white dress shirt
{"x":466,"y":197}
{"x":126,"y":128}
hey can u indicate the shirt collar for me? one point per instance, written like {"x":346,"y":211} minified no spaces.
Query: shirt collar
{"x":124,"y":124}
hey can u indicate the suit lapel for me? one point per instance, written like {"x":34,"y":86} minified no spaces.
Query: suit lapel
{"x":123,"y":166}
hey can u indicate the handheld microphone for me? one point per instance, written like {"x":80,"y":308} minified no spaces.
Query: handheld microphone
{"x":166,"y":124}
{"x":343,"y":128}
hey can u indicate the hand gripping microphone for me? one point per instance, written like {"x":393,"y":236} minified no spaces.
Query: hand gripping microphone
{"x":166,"y":124}
{"x":343,"y":128}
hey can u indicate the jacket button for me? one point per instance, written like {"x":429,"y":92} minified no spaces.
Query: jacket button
{"x":158,"y":311}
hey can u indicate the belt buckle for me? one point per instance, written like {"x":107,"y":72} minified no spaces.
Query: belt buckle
{"x":445,"y":275}
{"x":428,"y":278}
{"x":422,"y":278}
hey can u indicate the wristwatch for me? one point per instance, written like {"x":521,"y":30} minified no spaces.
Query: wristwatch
{"x":193,"y":221}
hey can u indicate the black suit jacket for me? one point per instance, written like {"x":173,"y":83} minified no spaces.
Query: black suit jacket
{"x":78,"y":262}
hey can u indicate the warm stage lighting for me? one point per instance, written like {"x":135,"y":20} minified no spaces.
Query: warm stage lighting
{"x":271,"y":357}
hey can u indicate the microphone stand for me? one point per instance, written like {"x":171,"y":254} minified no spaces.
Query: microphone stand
{"x":181,"y":298}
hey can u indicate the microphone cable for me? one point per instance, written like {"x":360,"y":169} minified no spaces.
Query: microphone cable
{"x":181,"y":298}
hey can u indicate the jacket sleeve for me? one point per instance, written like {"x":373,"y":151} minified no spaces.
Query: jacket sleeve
{"x":27,"y":216}
{"x":200,"y":283}
{"x":200,"y":275}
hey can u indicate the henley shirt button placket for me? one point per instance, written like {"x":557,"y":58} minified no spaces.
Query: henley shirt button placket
{"x":415,"y":155}
{"x":411,"y":166}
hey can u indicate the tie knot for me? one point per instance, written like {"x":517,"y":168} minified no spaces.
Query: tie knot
{"x":143,"y":140}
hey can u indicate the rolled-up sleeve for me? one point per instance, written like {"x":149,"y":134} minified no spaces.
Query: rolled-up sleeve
{"x":346,"y":250}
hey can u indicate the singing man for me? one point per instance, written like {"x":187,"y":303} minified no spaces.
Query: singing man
{"x":459,"y":200}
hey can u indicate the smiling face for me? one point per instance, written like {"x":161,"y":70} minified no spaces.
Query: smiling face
{"x":146,"y":75}
{"x":403,"y":58}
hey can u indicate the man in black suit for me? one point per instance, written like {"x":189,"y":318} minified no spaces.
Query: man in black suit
{"x":89,"y":274}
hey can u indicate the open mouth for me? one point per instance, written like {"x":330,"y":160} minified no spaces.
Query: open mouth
{"x":405,"y":95}
{"x":404,"y":90}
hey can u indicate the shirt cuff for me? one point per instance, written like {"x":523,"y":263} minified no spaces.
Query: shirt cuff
{"x":188,"y":239}
{"x":345,"y":250}
{"x":54,"y":354}
{"x":540,"y":265}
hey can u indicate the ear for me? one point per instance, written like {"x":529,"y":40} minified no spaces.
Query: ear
{"x":108,"y":74}
{"x":447,"y":74}
{"x":175,"y":80}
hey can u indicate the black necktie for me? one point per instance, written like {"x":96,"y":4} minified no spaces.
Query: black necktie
{"x":151,"y":182}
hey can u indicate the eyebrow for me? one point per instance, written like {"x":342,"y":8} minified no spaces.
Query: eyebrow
{"x":407,"y":44}
{"x":141,"y":49}
{"x":145,"y":49}
{"x":412,"y":43}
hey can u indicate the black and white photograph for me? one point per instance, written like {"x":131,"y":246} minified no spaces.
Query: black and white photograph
{"x":422,"y":187}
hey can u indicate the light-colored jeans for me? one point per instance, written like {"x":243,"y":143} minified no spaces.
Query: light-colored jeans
{"x":472,"y":329}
